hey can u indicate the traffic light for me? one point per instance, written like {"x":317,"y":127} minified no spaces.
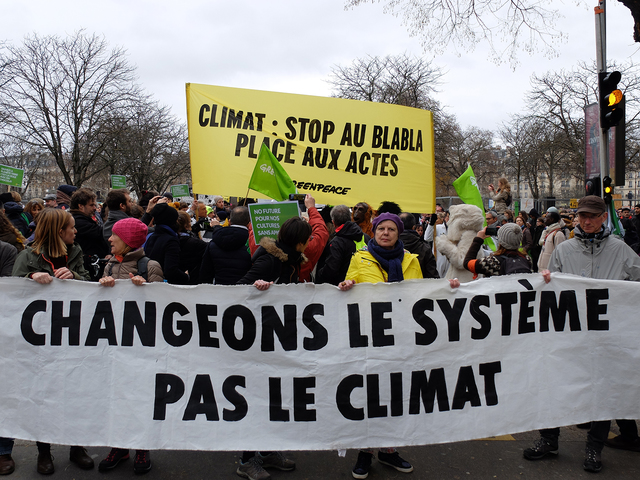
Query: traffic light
{"x":610,"y":98}
{"x":593,"y":186}
{"x":608,"y":189}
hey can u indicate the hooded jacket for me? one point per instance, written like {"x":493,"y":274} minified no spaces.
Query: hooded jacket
{"x":274,"y":262}
{"x":550,"y":239}
{"x":596,"y":256}
{"x":226,"y":259}
{"x":14,"y":212}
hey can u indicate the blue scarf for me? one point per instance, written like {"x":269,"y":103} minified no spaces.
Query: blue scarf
{"x":389,"y":260}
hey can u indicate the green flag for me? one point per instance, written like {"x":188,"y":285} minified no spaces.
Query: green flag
{"x":270,"y":178}
{"x":613,"y":222}
{"x":467,"y":189}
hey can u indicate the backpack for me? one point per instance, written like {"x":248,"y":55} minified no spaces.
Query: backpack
{"x":508,"y":200}
{"x":513,"y":264}
{"x":143,"y":269}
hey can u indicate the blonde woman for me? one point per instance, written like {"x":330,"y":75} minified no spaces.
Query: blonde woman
{"x":54,"y":254}
{"x":501,"y":196}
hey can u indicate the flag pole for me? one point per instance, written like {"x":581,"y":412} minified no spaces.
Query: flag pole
{"x":245,"y":197}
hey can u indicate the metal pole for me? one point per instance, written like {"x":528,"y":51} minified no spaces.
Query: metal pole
{"x":601,"y":60}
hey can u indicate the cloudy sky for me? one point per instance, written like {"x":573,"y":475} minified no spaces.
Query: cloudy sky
{"x":291,"y":45}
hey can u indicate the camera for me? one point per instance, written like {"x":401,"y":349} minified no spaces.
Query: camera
{"x":492,"y":231}
{"x":299,"y":197}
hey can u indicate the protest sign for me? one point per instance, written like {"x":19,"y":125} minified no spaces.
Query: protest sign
{"x":118,"y":181}
{"x":180,"y":191}
{"x":340,"y":151}
{"x":267,"y":218}
{"x":11,"y":176}
{"x":305,"y":367}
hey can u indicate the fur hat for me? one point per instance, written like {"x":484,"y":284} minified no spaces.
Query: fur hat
{"x":510,"y":236}
{"x":388,"y":216}
{"x":463,"y":218}
{"x":132,"y":232}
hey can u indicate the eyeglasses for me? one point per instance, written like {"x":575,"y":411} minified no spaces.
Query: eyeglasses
{"x":590,"y":216}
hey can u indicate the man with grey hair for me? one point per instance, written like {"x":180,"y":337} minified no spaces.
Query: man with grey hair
{"x":349,"y":238}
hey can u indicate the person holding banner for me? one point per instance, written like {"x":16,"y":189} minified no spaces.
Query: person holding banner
{"x":129,"y":262}
{"x":593,"y":253}
{"x":54,"y":254}
{"x":277,"y":262}
{"x":384,"y":259}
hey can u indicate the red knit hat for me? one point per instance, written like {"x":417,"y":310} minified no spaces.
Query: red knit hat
{"x":132,"y":232}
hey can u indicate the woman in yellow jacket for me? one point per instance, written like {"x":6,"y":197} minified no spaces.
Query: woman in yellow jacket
{"x":384,"y":259}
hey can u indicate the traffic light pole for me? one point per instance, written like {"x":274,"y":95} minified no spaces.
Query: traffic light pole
{"x":601,"y":60}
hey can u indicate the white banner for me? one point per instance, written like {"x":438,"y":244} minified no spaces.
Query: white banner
{"x":306,"y":367}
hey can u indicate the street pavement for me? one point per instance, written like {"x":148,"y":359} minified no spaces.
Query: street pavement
{"x":491,"y":458}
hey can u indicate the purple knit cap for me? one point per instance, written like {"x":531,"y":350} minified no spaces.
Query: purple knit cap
{"x":389,"y":216}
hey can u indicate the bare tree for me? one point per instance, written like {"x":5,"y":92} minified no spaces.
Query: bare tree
{"x":506,"y":26}
{"x":148,"y":145}
{"x":54,"y":94}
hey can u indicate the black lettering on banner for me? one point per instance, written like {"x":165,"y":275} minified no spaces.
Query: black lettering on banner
{"x":276,"y":412}
{"x":595,"y":309}
{"x":376,"y":157}
{"x":568,"y":303}
{"x":201,"y":115}
{"x":526,"y":312}
{"x":395,"y":380}
{"x":205,"y":326}
{"x":489,"y":371}
{"x":229,"y":317}
{"x":374,"y":409}
{"x":248,"y":121}
{"x":453,"y":315}
{"x":202,"y":400}
{"x":146,"y":328}
{"x":353,"y":137}
{"x":183,"y":326}
{"x":394,"y":171}
{"x":380,"y":323}
{"x":362,"y":170}
{"x":277,"y":143}
{"x":286,"y":331}
{"x":481,"y":317}
{"x":430,"y":329}
{"x":59,"y":321}
{"x":426,"y":390}
{"x":169,"y":389}
{"x":320,"y":336}
{"x":234,"y":119}
{"x":242,"y":141}
{"x":466,"y":390}
{"x":505,"y":300}
{"x":103,"y":314}
{"x":26,"y":324}
{"x":238,"y":401}
{"x":356,"y":338}
{"x":352,"y":166}
{"x":302,"y":398}
{"x":343,"y":397}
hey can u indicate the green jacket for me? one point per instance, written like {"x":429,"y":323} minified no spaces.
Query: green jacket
{"x":29,"y":262}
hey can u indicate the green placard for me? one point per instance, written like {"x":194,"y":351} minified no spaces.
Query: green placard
{"x":180,"y":190}
{"x":267,"y":218}
{"x":118,"y":181}
{"x":11,"y":176}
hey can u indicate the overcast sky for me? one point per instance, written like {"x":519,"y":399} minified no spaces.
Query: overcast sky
{"x":290,"y":46}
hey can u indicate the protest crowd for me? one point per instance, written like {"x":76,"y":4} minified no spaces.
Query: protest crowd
{"x":157,"y":239}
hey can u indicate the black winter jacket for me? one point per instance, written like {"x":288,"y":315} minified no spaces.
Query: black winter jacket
{"x":89,"y":235}
{"x":226,"y":259}
{"x":412,"y":242}
{"x":333,"y":266}
{"x":14,"y":212}
{"x":164,"y":247}
{"x":191,"y":251}
{"x":274,"y":262}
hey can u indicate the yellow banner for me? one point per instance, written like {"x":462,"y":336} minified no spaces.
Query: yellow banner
{"x":339,"y":151}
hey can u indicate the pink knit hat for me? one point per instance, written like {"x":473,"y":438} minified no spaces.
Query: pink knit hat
{"x":132,"y":232}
